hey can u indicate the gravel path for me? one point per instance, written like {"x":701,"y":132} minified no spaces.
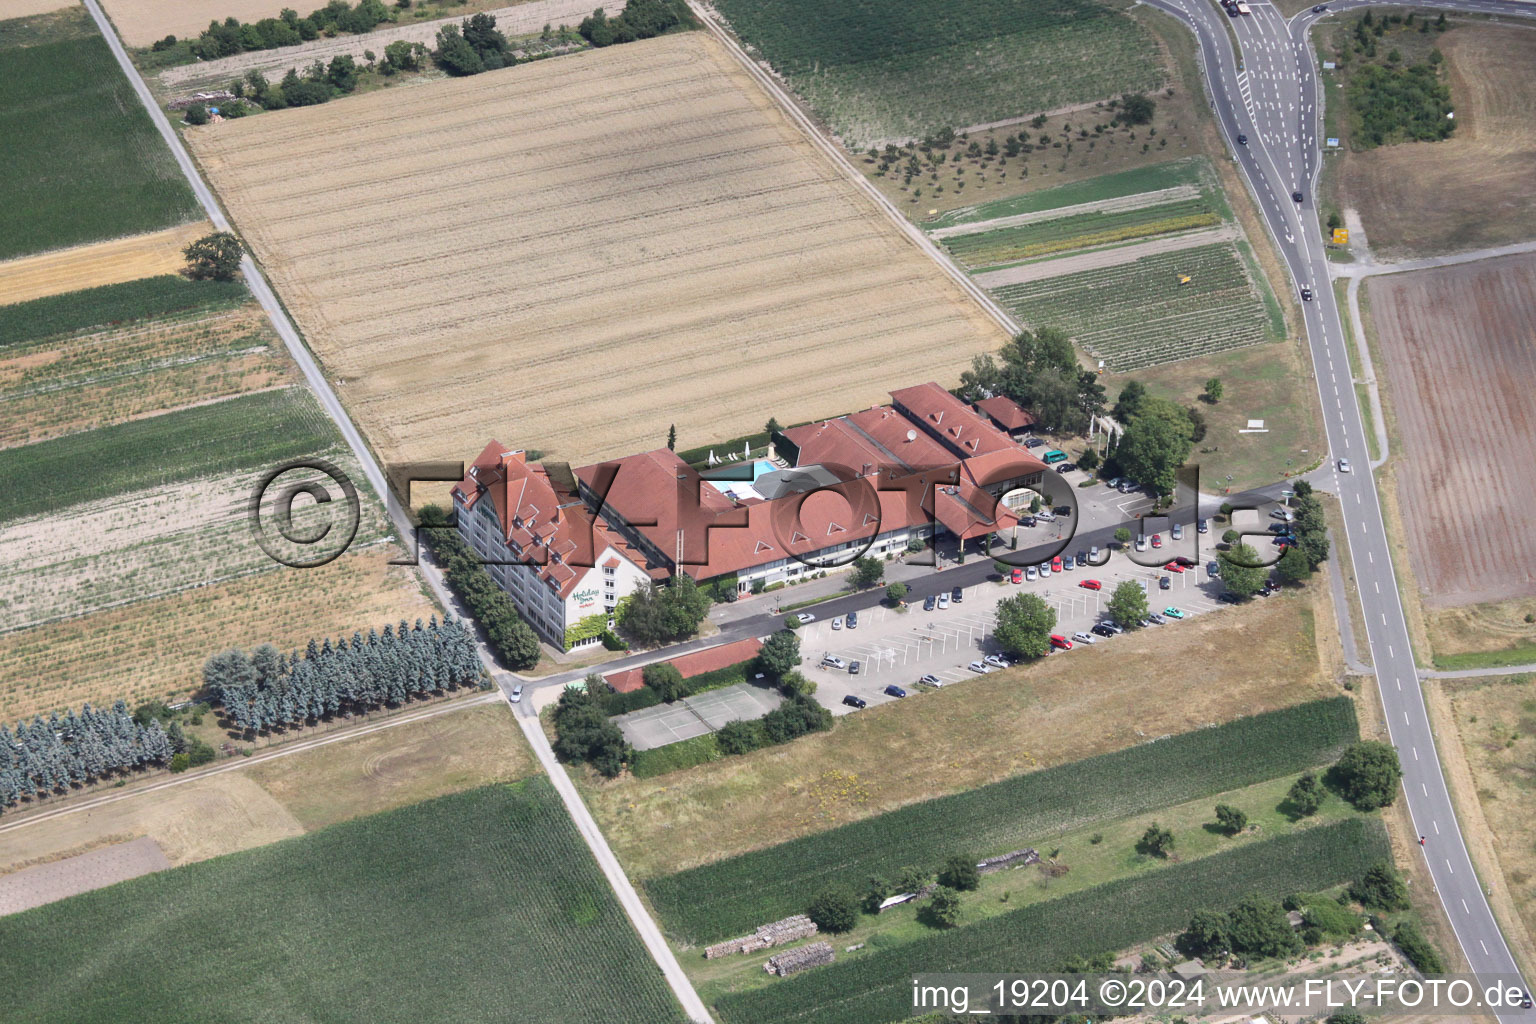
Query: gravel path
{"x":521,"y":20}
{"x":1042,"y":269}
{"x":33,"y":887}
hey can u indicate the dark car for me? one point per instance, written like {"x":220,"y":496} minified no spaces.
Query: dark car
{"x":1112,"y":626}
{"x":1065,"y":467}
{"x":1306,"y":295}
{"x":1227,"y":597}
{"x":1033,"y":442}
{"x":929,"y":602}
{"x":1163,"y":583}
{"x":855,"y":702}
{"x":1279,"y":527}
{"x":853,"y":668}
{"x":1319,"y":9}
{"x":1204,"y":526}
{"x":957,"y":595}
{"x":1296,"y":197}
{"x":1242,"y":140}
{"x":853,"y":620}
{"x":895,"y":691}
{"x":1027,"y":521}
{"x":1213,"y":568}
{"x":1062,"y":510}
{"x":1102,"y":630}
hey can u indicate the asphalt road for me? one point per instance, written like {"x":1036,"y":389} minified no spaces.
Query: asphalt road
{"x":1272,"y":97}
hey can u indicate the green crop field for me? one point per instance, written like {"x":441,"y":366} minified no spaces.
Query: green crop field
{"x":82,"y":159}
{"x":477,"y":907}
{"x":1137,"y":314}
{"x":883,"y":69}
{"x":731,"y":897}
{"x":876,"y":984}
{"x":112,"y":304}
{"x":252,"y":431}
{"x":1172,"y":173}
{"x":1079,"y":231}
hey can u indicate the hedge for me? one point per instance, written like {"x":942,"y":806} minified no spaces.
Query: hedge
{"x":645,"y":697}
{"x":675,"y":757}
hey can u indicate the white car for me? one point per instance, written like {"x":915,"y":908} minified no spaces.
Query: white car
{"x":977,"y":666}
{"x":833,"y":661}
{"x":1141,"y":542}
{"x":517,"y":694}
{"x":1084,"y":638}
{"x":1343,"y":465}
{"x":1045,"y":515}
{"x":996,"y":661}
{"x":1045,"y":570}
{"x":1178,"y":532}
{"x":806,"y":617}
{"x":837,"y":623}
{"x":1093,"y":553}
{"x":943,"y":600}
{"x":1031,"y":573}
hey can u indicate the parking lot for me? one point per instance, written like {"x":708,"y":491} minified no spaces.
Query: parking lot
{"x":895,"y":646}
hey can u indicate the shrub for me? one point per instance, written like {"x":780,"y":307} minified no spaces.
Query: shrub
{"x":180,"y":762}
{"x":1156,"y":841}
{"x":739,"y":737}
{"x":1381,"y":888}
{"x":197,"y":114}
{"x":583,"y":732}
{"x":1367,"y":775}
{"x":943,"y":909}
{"x":665,"y":680}
{"x":1306,"y":795}
{"x":834,"y":910}
{"x":1417,"y":948}
{"x":1231,"y":819}
{"x":960,"y":873}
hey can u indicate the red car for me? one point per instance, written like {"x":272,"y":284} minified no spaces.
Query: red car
{"x":1056,"y":564}
{"x":1173,"y":567}
{"x":1091,"y":585}
{"x":1060,"y":642}
{"x":1017,"y":576}
{"x":1157,"y":540}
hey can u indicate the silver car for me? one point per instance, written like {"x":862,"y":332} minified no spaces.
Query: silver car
{"x":1343,"y":465}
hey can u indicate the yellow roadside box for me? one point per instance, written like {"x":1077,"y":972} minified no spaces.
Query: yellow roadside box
{"x":1340,"y":236}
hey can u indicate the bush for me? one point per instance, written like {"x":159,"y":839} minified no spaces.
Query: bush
{"x":1417,"y":948}
{"x":214,"y":257}
{"x":197,"y":114}
{"x":739,"y":737}
{"x":675,"y":756}
{"x":960,"y":873}
{"x":1306,"y":795}
{"x":1367,"y":775}
{"x":834,"y":910}
{"x":180,"y":762}
{"x":583,"y":732}
{"x":943,"y":909}
{"x":1328,"y":917}
{"x":1257,"y":926}
{"x":1156,"y":841}
{"x":1381,"y":888}
{"x":1231,"y":819}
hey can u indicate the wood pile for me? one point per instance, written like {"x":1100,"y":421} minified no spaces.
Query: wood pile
{"x":814,"y":955}
{"x":776,"y":934}
{"x":1016,"y":859}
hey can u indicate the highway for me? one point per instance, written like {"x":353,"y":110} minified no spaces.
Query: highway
{"x":1269,"y":93}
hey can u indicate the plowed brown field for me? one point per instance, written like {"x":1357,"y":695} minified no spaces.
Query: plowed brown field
{"x":1460,"y":348}
{"x":87,"y":266}
{"x":576,"y":253}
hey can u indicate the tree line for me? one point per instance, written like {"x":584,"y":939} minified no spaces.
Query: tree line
{"x":512,"y":639}
{"x":231,"y":36}
{"x":265,"y":690}
{"x":641,"y":19}
{"x":1039,"y":370}
{"x":53,"y":754}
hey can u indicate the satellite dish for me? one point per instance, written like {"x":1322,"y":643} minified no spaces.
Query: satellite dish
{"x":911,"y":435}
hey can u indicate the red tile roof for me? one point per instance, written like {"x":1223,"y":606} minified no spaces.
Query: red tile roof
{"x":1006,"y":413}
{"x":546,"y":526}
{"x":689,"y":665}
{"x":957,"y":426}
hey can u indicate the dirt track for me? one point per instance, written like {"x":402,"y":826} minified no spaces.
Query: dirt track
{"x":86,"y":266}
{"x":577,"y":253}
{"x":523,"y":19}
{"x":1460,"y":350}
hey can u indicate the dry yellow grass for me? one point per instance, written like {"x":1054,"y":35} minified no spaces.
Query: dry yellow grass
{"x":577,"y":253}
{"x":1209,"y":670}
{"x":290,"y":795}
{"x":1479,"y":181}
{"x":26,"y":8}
{"x":88,"y":266}
{"x":156,"y":648}
{"x":1495,"y":626}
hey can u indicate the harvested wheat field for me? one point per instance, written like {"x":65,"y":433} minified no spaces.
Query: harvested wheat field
{"x":26,"y":8}
{"x":141,"y":22}
{"x":1460,"y":348}
{"x":1484,"y":193}
{"x":87,"y":266}
{"x":574,"y":254}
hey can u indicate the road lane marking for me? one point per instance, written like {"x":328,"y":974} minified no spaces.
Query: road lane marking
{"x":1447,"y":863}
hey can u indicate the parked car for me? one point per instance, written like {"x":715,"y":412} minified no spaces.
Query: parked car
{"x":1066,"y":467}
{"x":1063,"y":510}
{"x":1068,"y":563}
{"x":957,"y":595}
{"x":1102,"y":630}
{"x":1204,"y":526}
{"x":837,"y":623}
{"x":1157,"y":540}
{"x":1082,"y":558}
{"x":997,"y":661}
{"x":853,"y":620}
{"x":1084,"y":638}
{"x":1213,"y":568}
{"x":1091,"y":584}
{"x":979,"y":666}
{"x":1173,"y":613}
{"x":929,"y":603}
{"x":1034,"y":442}
{"x":895,"y":691}
{"x":1113,"y":626}
{"x":943,"y":601}
{"x":1045,"y":570}
{"x":1343,"y":465}
{"x":1093,"y":553}
{"x":1227,"y":597}
{"x":1155,"y":619}
{"x":855,"y":702}
{"x":1126,"y":486}
{"x":1056,"y":564}
{"x":1173,"y":567}
{"x":1060,"y":643}
{"x":1177,"y":533}
{"x":1279,"y":528}
{"x":1163,"y":583}
{"x":517,"y":693}
{"x":1017,"y":575}
{"x":931,"y":680}
{"x":853,"y":668}
{"x":1032,"y":573}
{"x":1027,"y":521}
{"x":807,"y":617}
{"x":1045,"y":515}
{"x":833,"y":661}
{"x":1112,"y":482}
{"x":1141,"y":542}
{"x":1285,"y":515}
